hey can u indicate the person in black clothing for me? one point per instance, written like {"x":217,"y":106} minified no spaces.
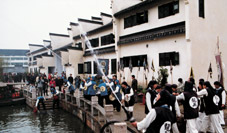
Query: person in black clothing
{"x":175,"y":107}
{"x":70,"y":79}
{"x":134,"y":86}
{"x":59,"y":83}
{"x":128,"y":98}
{"x":150,"y":95}
{"x":220,"y":91}
{"x":159,"y":119}
{"x":45,"y":86}
{"x":211,"y":101}
{"x":191,"y":107}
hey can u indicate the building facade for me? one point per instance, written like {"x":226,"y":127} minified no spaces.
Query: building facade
{"x":14,"y":61}
{"x":178,"y":35}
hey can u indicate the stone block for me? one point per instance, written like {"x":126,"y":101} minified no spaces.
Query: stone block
{"x":120,"y":127}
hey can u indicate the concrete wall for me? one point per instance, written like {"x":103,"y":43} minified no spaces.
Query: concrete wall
{"x":48,"y":61}
{"x":59,"y":41}
{"x":203,"y":37}
{"x":75,"y":57}
{"x":168,"y":44}
{"x":153,"y":20}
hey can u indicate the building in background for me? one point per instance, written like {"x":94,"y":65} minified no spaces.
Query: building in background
{"x":14,"y":60}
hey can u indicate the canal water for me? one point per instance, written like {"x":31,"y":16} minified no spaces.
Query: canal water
{"x":21,"y":119}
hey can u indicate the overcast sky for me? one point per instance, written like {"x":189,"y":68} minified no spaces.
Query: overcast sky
{"x":30,"y":21}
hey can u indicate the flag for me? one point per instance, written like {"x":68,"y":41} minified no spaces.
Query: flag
{"x":145,"y":66}
{"x":210,"y":70}
{"x":219,"y":64}
{"x":152,"y":66}
{"x":191,"y":73}
{"x":139,"y":64}
{"x":219,"y":68}
{"x":118,"y":66}
{"x":130,"y":65}
{"x":171,"y":67}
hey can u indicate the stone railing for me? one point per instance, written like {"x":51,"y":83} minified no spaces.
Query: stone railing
{"x":90,"y":112}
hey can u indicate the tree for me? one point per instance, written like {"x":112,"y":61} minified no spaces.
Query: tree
{"x":162,"y":76}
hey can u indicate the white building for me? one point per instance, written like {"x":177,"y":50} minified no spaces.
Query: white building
{"x":184,"y":32}
{"x":100,"y":34}
{"x":14,"y":60}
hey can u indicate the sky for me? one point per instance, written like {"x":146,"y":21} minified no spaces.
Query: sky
{"x":24,"y":22}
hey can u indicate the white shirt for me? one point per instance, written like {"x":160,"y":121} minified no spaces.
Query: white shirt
{"x":129,"y":95}
{"x":88,"y":84}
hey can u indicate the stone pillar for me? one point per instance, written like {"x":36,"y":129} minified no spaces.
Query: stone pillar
{"x":109,"y":111}
{"x":120,"y":127}
{"x":94,"y":100}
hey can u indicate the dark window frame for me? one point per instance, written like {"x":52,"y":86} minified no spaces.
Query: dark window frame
{"x":134,"y":60}
{"x":168,"y":9}
{"x":136,"y":19}
{"x":165,"y":58}
{"x":88,"y":69}
{"x":201,"y":8}
{"x":113,"y":66}
{"x":80,"y":68}
{"x":95,"y":68}
{"x":107,"y":39}
{"x":94,"y":43}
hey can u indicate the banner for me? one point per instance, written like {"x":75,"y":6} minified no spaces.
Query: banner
{"x":104,"y":64}
{"x":219,"y":68}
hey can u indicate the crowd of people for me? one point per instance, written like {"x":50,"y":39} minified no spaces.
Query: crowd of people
{"x":202,"y":105}
{"x":13,"y":77}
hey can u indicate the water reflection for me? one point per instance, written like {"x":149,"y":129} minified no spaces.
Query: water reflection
{"x":22,"y":119}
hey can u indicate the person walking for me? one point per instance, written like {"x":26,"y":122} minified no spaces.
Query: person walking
{"x":211,"y":101}
{"x":220,"y":91}
{"x":159,"y":119}
{"x":40,"y":84}
{"x":191,"y":107}
{"x":128,"y":98}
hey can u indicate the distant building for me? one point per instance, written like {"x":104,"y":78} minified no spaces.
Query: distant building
{"x":14,"y":60}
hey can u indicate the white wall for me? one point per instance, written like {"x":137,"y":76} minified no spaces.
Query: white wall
{"x":153,"y":21}
{"x":59,"y":41}
{"x":203,"y":37}
{"x":168,"y":44}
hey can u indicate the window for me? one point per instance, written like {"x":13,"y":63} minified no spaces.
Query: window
{"x":136,"y":19}
{"x":87,"y":67}
{"x":108,"y":39}
{"x":168,"y":9}
{"x":79,"y":45}
{"x":201,"y":9}
{"x":137,"y":61}
{"x":80,"y":68}
{"x":25,"y":58}
{"x":30,"y":59}
{"x":113,"y":66}
{"x":17,"y":58}
{"x":25,"y":63}
{"x":17,"y":64}
{"x":94,"y":42}
{"x":95,"y":67}
{"x":165,"y":58}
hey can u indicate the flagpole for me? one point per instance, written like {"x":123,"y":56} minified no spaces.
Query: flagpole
{"x":171,"y":73}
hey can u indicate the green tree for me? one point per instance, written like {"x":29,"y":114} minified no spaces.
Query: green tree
{"x":162,"y":76}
